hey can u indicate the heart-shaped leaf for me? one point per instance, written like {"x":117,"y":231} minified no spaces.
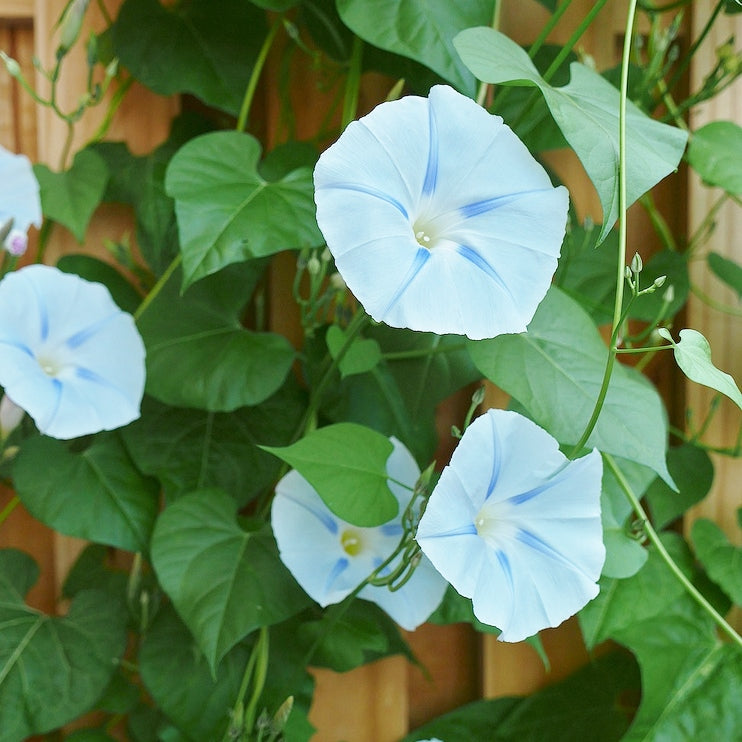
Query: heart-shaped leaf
{"x":187,"y":449}
{"x":362,"y":356}
{"x":198,"y":353}
{"x":722,"y":559}
{"x":51,"y":669}
{"x":97,"y":494}
{"x":421,"y":31}
{"x":715,"y":153}
{"x":71,"y":197}
{"x":693,"y":355}
{"x":555,"y":370}
{"x":346,"y":464}
{"x":224,"y":581}
{"x":227,"y":212}
{"x":586,"y":111}
{"x":191,"y":47}
{"x":726,"y":270}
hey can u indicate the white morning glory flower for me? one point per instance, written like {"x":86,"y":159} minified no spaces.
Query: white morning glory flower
{"x":19,"y":199}
{"x":438,"y":217}
{"x":68,"y":355}
{"x":515,"y":526}
{"x":329,"y":558}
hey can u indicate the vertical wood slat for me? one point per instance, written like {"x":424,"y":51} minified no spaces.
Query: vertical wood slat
{"x":723,"y":331}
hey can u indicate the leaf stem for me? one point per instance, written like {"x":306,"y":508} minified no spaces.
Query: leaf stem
{"x":353,"y":83}
{"x":618,"y":312}
{"x":142,"y":308}
{"x":9,"y":508}
{"x":257,"y":69}
{"x":654,"y":538}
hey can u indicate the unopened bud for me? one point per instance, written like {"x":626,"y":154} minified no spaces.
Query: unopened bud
{"x":313,"y":266}
{"x":627,"y":272}
{"x":282,"y":715}
{"x":113,"y":68}
{"x":636,"y":263}
{"x":669,"y":295}
{"x":14,"y":69}
{"x":660,"y":281}
{"x":71,"y":24}
{"x":16,"y":243}
{"x":338,"y":282}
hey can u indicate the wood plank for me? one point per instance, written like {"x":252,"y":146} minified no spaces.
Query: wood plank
{"x":16,"y":9}
{"x":723,"y":331}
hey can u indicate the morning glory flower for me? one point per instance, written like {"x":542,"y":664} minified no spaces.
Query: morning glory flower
{"x":68,"y":355}
{"x":515,"y":526}
{"x":19,"y":199}
{"x":438,"y":217}
{"x":329,"y":557}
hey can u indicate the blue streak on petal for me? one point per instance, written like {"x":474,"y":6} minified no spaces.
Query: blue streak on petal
{"x":476,"y":259}
{"x":340,"y":566}
{"x":502,"y":558}
{"x":466,"y":530}
{"x":530,"y":539}
{"x":57,"y":386}
{"x":325,"y":518}
{"x":43,"y":313}
{"x":555,"y":478}
{"x":391,"y":529}
{"x":488,"y":204}
{"x":18,"y":346}
{"x":496,"y":457}
{"x":431,"y":170}
{"x":375,"y":192}
{"x":421,"y":257}
{"x":76,"y":340}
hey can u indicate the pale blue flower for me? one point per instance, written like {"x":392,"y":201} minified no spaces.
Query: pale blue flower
{"x":68,"y":355}
{"x":438,"y":217}
{"x":329,"y":558}
{"x":19,"y":199}
{"x":514,"y":526}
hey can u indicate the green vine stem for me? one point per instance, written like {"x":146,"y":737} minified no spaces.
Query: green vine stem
{"x":655,"y":540}
{"x":9,"y":508}
{"x":142,"y":308}
{"x":353,"y":83}
{"x":618,"y":312}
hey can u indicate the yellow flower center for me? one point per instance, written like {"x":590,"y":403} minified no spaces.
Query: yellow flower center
{"x":351,"y":542}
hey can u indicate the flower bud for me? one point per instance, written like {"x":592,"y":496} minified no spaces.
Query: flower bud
{"x":71,"y":24}
{"x":636,"y":263}
{"x":659,"y":281}
{"x":16,"y":242}
{"x":14,"y":69}
{"x":669,"y":296}
{"x":313,"y":266}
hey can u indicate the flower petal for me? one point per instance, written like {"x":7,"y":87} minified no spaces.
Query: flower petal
{"x":72,"y":359}
{"x":433,"y":235}
{"x":515,"y":526}
{"x":19,"y":191}
{"x":311,"y":542}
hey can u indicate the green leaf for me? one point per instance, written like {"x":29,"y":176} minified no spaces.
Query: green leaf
{"x":89,"y":735}
{"x":722,"y":560}
{"x":625,"y":555}
{"x":421,"y":31}
{"x":187,"y":449}
{"x":346,"y":464}
{"x":362,"y":356}
{"x":691,"y":682}
{"x":190,"y":48}
{"x":92,"y":269}
{"x":715,"y":153}
{"x":363,"y":634}
{"x":693,"y":355}
{"x":52,"y":669}
{"x":726,"y":270}
{"x":691,"y":468}
{"x":455,"y":608}
{"x":198,"y":353}
{"x":71,"y":197}
{"x":179,"y":679}
{"x":224,"y":581}
{"x":586,"y":110}
{"x":97,"y":494}
{"x":555,"y":371}
{"x":641,"y":598}
{"x":92,"y":571}
{"x":227,"y":212}
{"x":588,"y":706}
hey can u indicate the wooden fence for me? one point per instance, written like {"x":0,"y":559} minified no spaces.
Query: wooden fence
{"x":380,"y":702}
